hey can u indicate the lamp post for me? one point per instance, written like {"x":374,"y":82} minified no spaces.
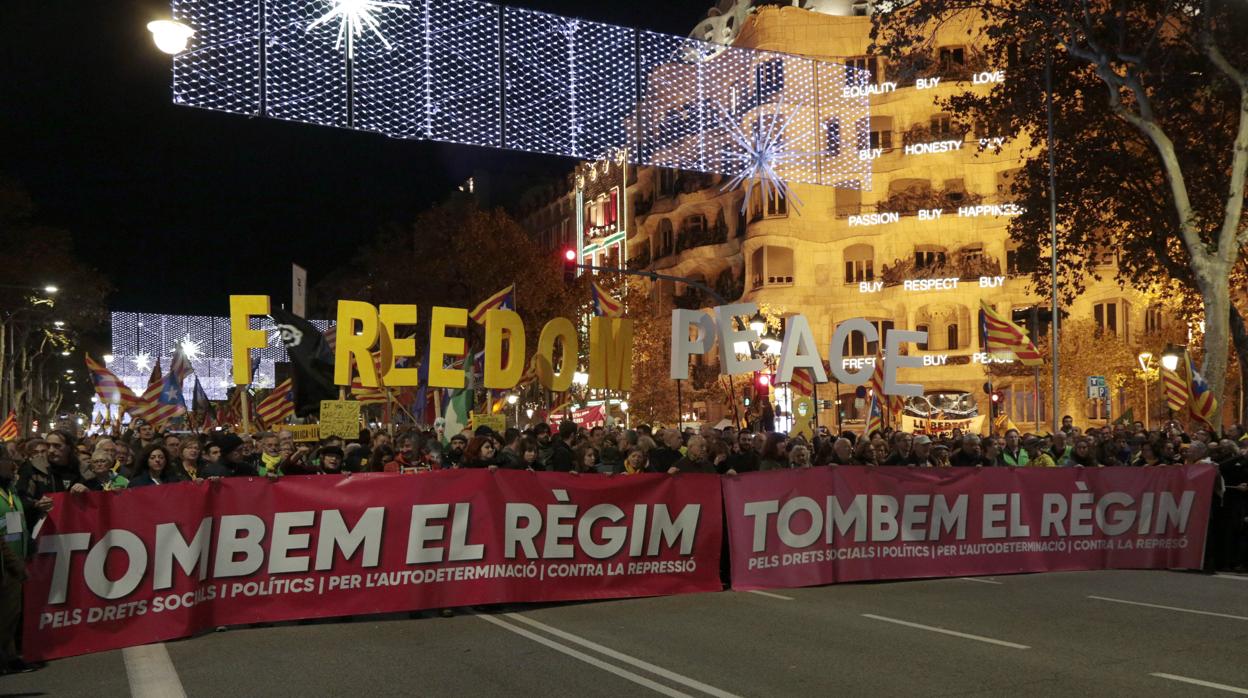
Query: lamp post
{"x":624,"y":409}
{"x":1145,"y":358}
{"x":514,"y":400}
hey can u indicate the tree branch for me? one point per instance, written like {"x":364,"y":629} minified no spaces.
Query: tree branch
{"x":1230,"y":238}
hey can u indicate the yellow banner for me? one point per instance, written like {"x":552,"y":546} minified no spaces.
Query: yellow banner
{"x":497,"y":422}
{"x":305,"y":432}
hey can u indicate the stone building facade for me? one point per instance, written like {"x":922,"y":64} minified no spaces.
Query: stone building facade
{"x":916,"y":249}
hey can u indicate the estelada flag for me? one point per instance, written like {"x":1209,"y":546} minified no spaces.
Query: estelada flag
{"x":504,"y":299}
{"x":108,"y":386}
{"x":1201,"y":401}
{"x":1004,"y":336}
{"x":8,"y":430}
{"x":604,"y":303}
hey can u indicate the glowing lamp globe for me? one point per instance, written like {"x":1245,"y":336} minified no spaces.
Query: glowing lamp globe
{"x":569,"y":255}
{"x":170,"y":36}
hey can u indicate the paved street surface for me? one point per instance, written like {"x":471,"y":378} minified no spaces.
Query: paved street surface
{"x":1082,"y":633}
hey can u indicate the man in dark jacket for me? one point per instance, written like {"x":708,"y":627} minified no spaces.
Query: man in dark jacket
{"x":562,"y":460}
{"x":233,"y":462}
{"x":694,"y":460}
{"x":57,"y":471}
{"x":743,"y":459}
{"x":666,"y":455}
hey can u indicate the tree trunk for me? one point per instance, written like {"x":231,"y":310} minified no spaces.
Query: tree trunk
{"x":1239,"y":338}
{"x":1217,"y":299}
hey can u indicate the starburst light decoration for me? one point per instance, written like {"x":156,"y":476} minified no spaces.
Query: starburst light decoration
{"x":190,"y":348}
{"x":355,"y":17}
{"x":476,"y":73}
{"x":761,"y":152}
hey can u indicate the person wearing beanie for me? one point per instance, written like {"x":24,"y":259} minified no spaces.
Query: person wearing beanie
{"x":233,"y":462}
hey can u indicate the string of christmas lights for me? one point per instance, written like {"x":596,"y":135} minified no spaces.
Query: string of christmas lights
{"x":476,"y":73}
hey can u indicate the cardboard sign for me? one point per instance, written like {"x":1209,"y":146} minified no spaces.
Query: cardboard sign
{"x":340,"y":418}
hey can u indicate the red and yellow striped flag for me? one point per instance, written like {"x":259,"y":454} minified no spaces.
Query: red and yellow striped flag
{"x":1175,"y":389}
{"x":8,"y":430}
{"x":1004,"y":336}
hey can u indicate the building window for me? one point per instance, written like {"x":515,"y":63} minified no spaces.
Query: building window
{"x":770,"y":76}
{"x":859,"y":264}
{"x":878,"y":131}
{"x":942,"y":126}
{"x":771,"y":265}
{"x":666,"y":239}
{"x":1111,"y":317}
{"x":773,"y":205}
{"x":868,"y":63}
{"x":924,"y":344}
{"x":952,"y":59}
{"x":860,"y":8}
{"x":926,"y":258}
{"x":667,"y":182}
{"x":832,"y":139}
{"x":1152,"y":320}
{"x":951,"y":336}
{"x":856,"y":343}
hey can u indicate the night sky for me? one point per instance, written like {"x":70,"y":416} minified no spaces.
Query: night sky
{"x":180,"y":206}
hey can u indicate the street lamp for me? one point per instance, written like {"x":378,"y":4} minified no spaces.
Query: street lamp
{"x":758,"y":323}
{"x":50,"y":290}
{"x":514,"y":399}
{"x":1145,"y":357}
{"x":108,"y":358}
{"x":624,"y":409}
{"x":170,"y":36}
{"x":1171,"y":356}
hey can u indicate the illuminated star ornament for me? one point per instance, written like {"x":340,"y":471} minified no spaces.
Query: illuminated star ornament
{"x":758,"y":155}
{"x":355,"y":17}
{"x":143,"y":361}
{"x":190,"y":348}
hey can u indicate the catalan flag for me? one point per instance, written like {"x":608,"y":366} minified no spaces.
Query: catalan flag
{"x":504,"y":299}
{"x":1174,"y":387}
{"x":1004,"y":336}
{"x":877,"y":377}
{"x":364,"y":394}
{"x":803,"y":382}
{"x":1201,"y":401}
{"x":605,"y":304}
{"x":278,"y":404}
{"x":8,"y":430}
{"x":108,"y":386}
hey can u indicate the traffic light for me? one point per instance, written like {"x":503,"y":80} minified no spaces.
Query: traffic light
{"x":995,"y":397}
{"x":569,"y":265}
{"x":763,"y":381}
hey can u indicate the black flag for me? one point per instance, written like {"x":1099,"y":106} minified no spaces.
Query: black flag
{"x":312,"y":360}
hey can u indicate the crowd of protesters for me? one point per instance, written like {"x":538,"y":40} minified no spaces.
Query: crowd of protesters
{"x":60,"y":461}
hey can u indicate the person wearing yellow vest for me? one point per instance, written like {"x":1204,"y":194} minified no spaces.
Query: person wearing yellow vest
{"x":16,"y":539}
{"x":1013,"y":454}
{"x":1037,"y":457}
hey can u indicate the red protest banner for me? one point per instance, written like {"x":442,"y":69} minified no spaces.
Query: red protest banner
{"x":822,"y":525}
{"x":116,"y":569}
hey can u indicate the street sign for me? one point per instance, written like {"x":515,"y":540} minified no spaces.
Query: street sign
{"x":1098,"y":389}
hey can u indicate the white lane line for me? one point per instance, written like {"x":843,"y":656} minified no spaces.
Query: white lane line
{"x":980,"y":580}
{"x":1170,"y":608}
{"x":1206,"y":684}
{"x":621,"y":657}
{"x":592,"y":661}
{"x":1238,"y":577}
{"x":151,"y":673}
{"x":770,"y":595}
{"x":946,"y":631}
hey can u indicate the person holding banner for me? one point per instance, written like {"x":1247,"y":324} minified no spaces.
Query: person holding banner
{"x":155,"y":468}
{"x":233,"y":462}
{"x":104,"y":480}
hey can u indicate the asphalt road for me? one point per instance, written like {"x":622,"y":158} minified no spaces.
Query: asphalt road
{"x":1086,"y":633}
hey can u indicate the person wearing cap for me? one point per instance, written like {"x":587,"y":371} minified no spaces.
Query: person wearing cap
{"x":331,"y":458}
{"x":921,"y":451}
{"x":1037,"y":457}
{"x":233,"y":462}
{"x":940,"y":456}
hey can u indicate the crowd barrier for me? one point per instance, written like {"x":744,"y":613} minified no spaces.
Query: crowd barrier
{"x":117,"y":569}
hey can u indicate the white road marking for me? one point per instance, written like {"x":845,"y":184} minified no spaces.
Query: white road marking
{"x":946,"y":631}
{"x":1239,"y":577}
{"x":621,"y":657}
{"x":770,"y":595}
{"x":592,"y":661}
{"x":150,"y":672}
{"x":981,"y":580}
{"x":1206,"y":684}
{"x":1170,"y":608}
